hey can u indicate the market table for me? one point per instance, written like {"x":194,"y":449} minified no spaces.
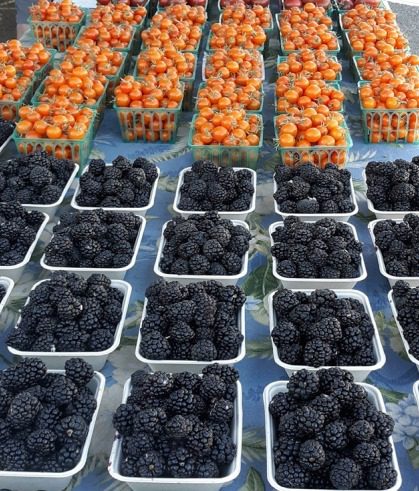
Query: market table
{"x":258,"y":369}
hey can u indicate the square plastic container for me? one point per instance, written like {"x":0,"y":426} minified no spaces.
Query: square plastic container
{"x":9,"y":109}
{"x":57,"y":481}
{"x":316,"y":155}
{"x":308,"y":283}
{"x":137,"y":211}
{"x":416,"y":391}
{"x":360,"y":373}
{"x":177,"y":366}
{"x":404,"y":123}
{"x":385,"y":215}
{"x":262,"y":66}
{"x":76,"y":150}
{"x":111,"y":273}
{"x":285,"y":58}
{"x":374,"y":395}
{"x":8,"y":284}
{"x":15,"y":272}
{"x":306,"y":217}
{"x":412,"y":280}
{"x":414,"y":360}
{"x":56,"y":35}
{"x":226,"y":155}
{"x":231,"y":215}
{"x":191,"y":278}
{"x":52,"y":208}
{"x":177,"y":484}
{"x":55,"y":360}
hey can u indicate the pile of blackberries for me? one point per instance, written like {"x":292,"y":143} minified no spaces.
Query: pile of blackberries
{"x":198,"y":322}
{"x":18,"y":229}
{"x":324,"y":249}
{"x":6,"y":129}
{"x":93,"y":239}
{"x":309,"y":190}
{"x":406,"y":300}
{"x":45,"y":417}
{"x":124,"y":184}
{"x":319,"y":329}
{"x":34,"y":179}
{"x":69,"y":313}
{"x":399,"y":245}
{"x":178,"y":425}
{"x":204,"y":245}
{"x":207,"y":187}
{"x":394,"y":186}
{"x":329,"y":435}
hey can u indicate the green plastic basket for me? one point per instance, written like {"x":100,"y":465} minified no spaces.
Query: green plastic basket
{"x":352,"y":53}
{"x":357,"y":71}
{"x":403,"y":124}
{"x":77,"y":150}
{"x":296,"y":156}
{"x":261,"y":49}
{"x":135,"y":123}
{"x":56,"y":35}
{"x":224,"y":155}
{"x":285,"y":58}
{"x":331,"y":52}
{"x":202,"y":85}
{"x":43,"y":71}
{"x":128,"y":49}
{"x":9,"y":109}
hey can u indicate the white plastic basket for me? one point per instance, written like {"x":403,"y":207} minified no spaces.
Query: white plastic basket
{"x":306,"y":217}
{"x":52,"y":208}
{"x":15,"y":272}
{"x":56,"y":359}
{"x":177,"y":484}
{"x":112,"y":273}
{"x":386,"y":215}
{"x":400,"y":328}
{"x":416,"y":391}
{"x":204,"y":64}
{"x":56,"y":481}
{"x":8,"y":284}
{"x":190,"y":278}
{"x":412,"y":280}
{"x":360,"y":373}
{"x":302,"y":283}
{"x":5,"y":143}
{"x":137,"y":211}
{"x":231,"y":215}
{"x":374,"y":395}
{"x":176,"y":366}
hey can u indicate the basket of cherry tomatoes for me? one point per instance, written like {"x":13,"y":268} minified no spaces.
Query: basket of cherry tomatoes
{"x":312,"y":137}
{"x":56,"y":24}
{"x":16,"y":90}
{"x":385,"y":39}
{"x":163,"y":4}
{"x":313,"y":65}
{"x":362,"y":16}
{"x":227,"y":137}
{"x":119,"y":13}
{"x":222,"y":4}
{"x":342,"y":6}
{"x":170,"y":62}
{"x":63,"y":131}
{"x":289,"y":4}
{"x":293,"y":93}
{"x":148,"y":108}
{"x":193,"y":16}
{"x":235,"y":63}
{"x":390,"y":109}
{"x":254,"y":15}
{"x":219,"y":95}
{"x":370,"y":66}
{"x":242,"y":36}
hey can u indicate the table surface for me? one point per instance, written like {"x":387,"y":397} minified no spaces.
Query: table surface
{"x":258,"y":369}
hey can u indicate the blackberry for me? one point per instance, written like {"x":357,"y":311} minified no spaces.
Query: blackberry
{"x":207,"y":469}
{"x":335,"y":435}
{"x":221,"y":410}
{"x":42,"y":442}
{"x":318,"y":353}
{"x":182,"y":401}
{"x":303,"y":385}
{"x":361,"y":431}
{"x":311,"y":455}
{"x":366,"y":454}
{"x":327,"y":329}
{"x":308,"y":421}
{"x":223,"y":450}
{"x":23,"y":410}
{"x":155,"y":347}
{"x":345,"y":474}
{"x":382,"y":476}
{"x":181,"y":463}
{"x":227,"y":373}
{"x":326,"y":405}
{"x":291,"y":475}
{"x":71,"y":429}
{"x":151,"y":420}
{"x":204,"y":350}
{"x":178,"y":427}
{"x":212,"y":387}
{"x":69,"y":455}
{"x":15,"y":456}
{"x":200,"y":439}
{"x":123,"y":419}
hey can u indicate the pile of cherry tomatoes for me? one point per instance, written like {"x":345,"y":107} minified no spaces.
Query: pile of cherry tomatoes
{"x":119,"y":13}
{"x":193,"y":16}
{"x":236,"y":63}
{"x":364,"y":17}
{"x":313,"y":65}
{"x":373,"y":64}
{"x":104,"y":61}
{"x":27,"y":60}
{"x":239,"y":14}
{"x":14,"y":88}
{"x":63,"y":11}
{"x":169,"y":61}
{"x":172,"y":32}
{"x":232,"y":35}
{"x":105,"y":35}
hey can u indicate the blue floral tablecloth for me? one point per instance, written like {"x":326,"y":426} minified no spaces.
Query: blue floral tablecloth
{"x":258,"y":369}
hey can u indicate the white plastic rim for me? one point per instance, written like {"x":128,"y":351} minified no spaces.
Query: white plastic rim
{"x":231,"y":215}
{"x":190,"y":278}
{"x":112,"y":273}
{"x":53,"y":206}
{"x":178,"y":484}
{"x":360,"y":373}
{"x":332,"y":283}
{"x":204,"y":64}
{"x":96,"y":358}
{"x":386,"y":215}
{"x":57,"y":480}
{"x":137,"y":211}
{"x":400,"y":328}
{"x":374,"y":395}
{"x":412,"y":280}
{"x":8,"y":284}
{"x":5,"y":143}
{"x":15,"y":272}
{"x":416,"y":391}
{"x":307,"y":217}
{"x":190,"y":365}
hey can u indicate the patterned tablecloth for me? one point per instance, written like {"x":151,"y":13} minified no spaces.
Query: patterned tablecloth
{"x":258,"y":369}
